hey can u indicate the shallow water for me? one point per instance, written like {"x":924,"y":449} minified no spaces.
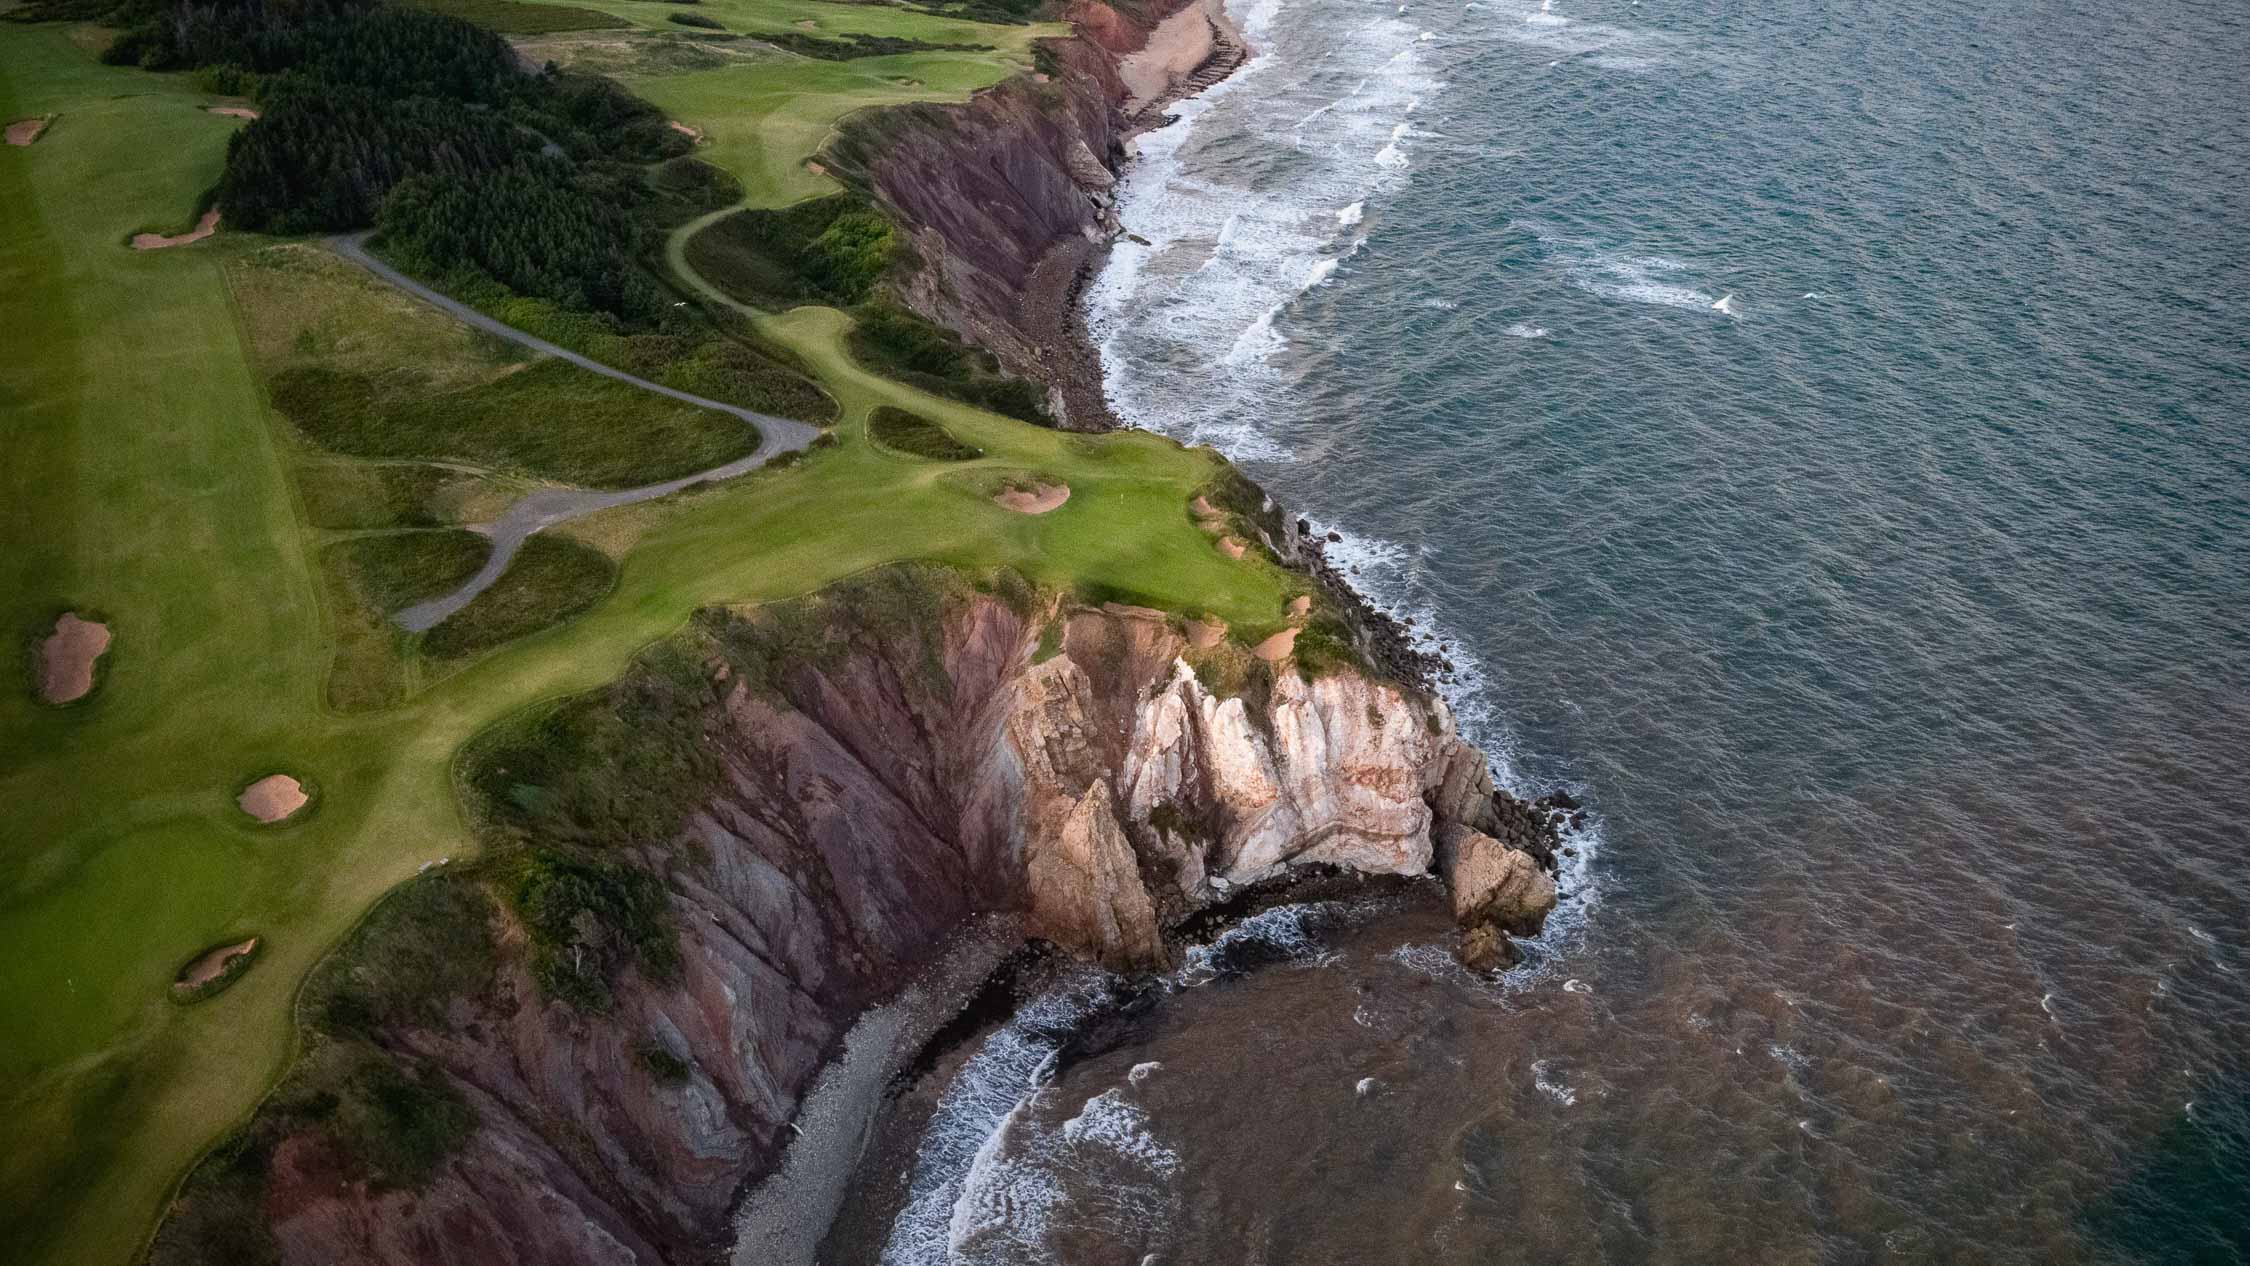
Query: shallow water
{"x":1896,"y":623}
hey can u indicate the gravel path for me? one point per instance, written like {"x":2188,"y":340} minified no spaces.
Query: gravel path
{"x":549,"y":506}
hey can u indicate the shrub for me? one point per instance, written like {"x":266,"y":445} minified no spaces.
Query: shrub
{"x":914,"y":434}
{"x":697,"y":20}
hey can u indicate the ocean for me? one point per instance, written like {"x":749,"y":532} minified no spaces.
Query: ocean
{"x":1819,"y":435}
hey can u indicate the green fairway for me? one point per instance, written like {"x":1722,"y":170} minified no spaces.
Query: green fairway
{"x":762,"y":113}
{"x":148,"y":482}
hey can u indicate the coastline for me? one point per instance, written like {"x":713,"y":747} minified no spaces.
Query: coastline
{"x":844,"y":1124}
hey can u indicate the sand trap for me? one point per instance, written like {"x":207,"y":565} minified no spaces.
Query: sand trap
{"x":1203,"y":509}
{"x":1230,"y":547}
{"x":1300,"y":606}
{"x":66,"y":658}
{"x":204,"y":228}
{"x":1205,"y":634}
{"x":272,"y":798}
{"x":233,"y":112}
{"x":25,"y":131}
{"x":1037,"y":499}
{"x":1278,"y":647}
{"x":212,"y":964}
{"x":815,"y":168}
{"x":693,"y":134}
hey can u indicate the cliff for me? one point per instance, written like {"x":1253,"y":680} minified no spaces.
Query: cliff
{"x":1008,"y":198}
{"x":703,"y":873}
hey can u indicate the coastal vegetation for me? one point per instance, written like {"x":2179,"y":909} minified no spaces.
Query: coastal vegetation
{"x":243,"y":453}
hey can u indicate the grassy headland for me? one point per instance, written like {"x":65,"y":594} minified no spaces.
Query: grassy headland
{"x":149,"y":479}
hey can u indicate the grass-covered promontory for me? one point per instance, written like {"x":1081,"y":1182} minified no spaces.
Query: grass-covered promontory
{"x":151,"y":479}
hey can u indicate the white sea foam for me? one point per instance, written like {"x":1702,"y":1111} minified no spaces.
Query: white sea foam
{"x":1553,"y":1089}
{"x":1189,"y":322}
{"x":968,"y":1128}
{"x":1525,"y":329}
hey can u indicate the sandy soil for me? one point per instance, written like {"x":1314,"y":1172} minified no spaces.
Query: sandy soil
{"x":1037,"y":499}
{"x":1278,"y":647}
{"x":66,"y":658}
{"x":807,"y":24}
{"x":233,"y":112}
{"x":208,"y":968}
{"x":693,"y":134}
{"x":1230,"y":547}
{"x":25,"y":131}
{"x":204,"y":228}
{"x":1205,"y":634}
{"x":1300,"y":606}
{"x":272,"y":798}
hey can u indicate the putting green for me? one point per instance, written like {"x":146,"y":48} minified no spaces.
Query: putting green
{"x":146,"y":483}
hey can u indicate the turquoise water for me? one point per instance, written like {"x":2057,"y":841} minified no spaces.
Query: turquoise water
{"x":1894,"y":618}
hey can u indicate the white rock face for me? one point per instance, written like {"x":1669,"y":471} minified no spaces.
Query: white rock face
{"x":1205,"y":792}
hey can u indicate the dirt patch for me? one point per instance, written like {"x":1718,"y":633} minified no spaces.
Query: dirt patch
{"x":1278,"y":647}
{"x":1205,"y":634}
{"x":807,"y":24}
{"x":212,"y":964}
{"x":24,"y":131}
{"x":1300,"y":606}
{"x":1230,"y":547}
{"x":272,"y":798}
{"x":1037,"y":499}
{"x":204,"y":228}
{"x":693,"y":134}
{"x":815,"y":168}
{"x":66,"y":658}
{"x":233,"y":112}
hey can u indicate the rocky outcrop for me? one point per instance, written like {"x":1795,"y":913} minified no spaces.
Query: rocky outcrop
{"x":866,"y":797}
{"x":1009,"y":197}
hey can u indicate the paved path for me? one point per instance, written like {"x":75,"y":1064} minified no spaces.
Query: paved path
{"x":549,"y":506}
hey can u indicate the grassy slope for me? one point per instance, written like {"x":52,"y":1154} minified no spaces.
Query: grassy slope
{"x":762,"y":118}
{"x":144,"y":482}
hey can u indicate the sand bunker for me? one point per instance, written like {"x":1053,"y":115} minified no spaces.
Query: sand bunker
{"x":693,"y":134}
{"x":1205,"y":634}
{"x":66,"y":658}
{"x":204,"y":228}
{"x":272,"y":798}
{"x":233,"y":112}
{"x":1230,"y":547}
{"x":212,"y":964}
{"x":1278,"y":647}
{"x":1037,"y":499}
{"x":1300,"y":606}
{"x":25,"y":131}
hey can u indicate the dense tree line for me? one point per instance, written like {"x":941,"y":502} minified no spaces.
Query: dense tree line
{"x":429,"y":128}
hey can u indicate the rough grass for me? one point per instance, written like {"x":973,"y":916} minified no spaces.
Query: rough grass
{"x":549,"y":420}
{"x":146,"y":480}
{"x":509,"y":17}
{"x":550,"y":580}
{"x":917,"y":436}
{"x":367,"y":372}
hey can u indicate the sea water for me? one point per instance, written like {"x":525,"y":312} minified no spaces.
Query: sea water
{"x":1819,"y":435}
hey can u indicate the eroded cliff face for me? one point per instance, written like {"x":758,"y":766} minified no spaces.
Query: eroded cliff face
{"x":1007,"y":197}
{"x":874,"y":785}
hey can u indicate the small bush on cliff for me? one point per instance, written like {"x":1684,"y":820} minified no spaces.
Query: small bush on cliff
{"x":901,"y":345}
{"x":609,"y":769}
{"x":587,"y":921}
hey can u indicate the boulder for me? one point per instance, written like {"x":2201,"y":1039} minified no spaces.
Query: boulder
{"x":1492,"y":883}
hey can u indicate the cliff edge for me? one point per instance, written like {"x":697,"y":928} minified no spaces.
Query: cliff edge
{"x":586,"y":1047}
